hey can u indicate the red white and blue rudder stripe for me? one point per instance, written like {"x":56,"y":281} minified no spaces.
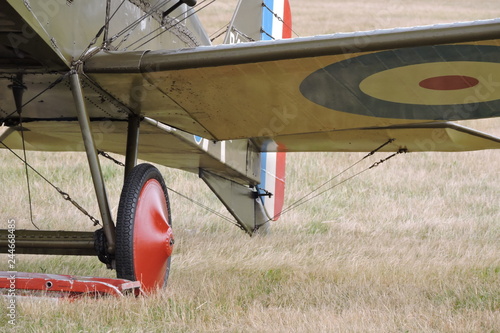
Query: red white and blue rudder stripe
{"x":276,"y":19}
{"x":276,"y":24}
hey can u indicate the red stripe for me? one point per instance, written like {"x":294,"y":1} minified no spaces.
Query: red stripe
{"x":279,"y":190}
{"x":287,"y":19}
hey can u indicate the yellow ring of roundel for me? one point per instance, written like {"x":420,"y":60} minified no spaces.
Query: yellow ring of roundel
{"x":401,"y":84}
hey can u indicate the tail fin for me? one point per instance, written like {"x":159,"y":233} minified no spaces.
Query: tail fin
{"x":276,"y":20}
{"x":272,"y":180}
{"x":256,"y":20}
{"x":276,"y":24}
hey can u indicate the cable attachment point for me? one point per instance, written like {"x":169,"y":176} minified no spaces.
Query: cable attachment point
{"x":400,"y":151}
{"x":18,"y":89}
{"x":106,"y":155}
{"x":262,"y":193}
{"x":64,"y":195}
{"x":380,"y":147}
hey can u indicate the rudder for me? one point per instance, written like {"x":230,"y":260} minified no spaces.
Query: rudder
{"x":256,"y":20}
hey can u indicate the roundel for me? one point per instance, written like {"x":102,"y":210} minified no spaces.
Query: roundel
{"x":447,"y":82}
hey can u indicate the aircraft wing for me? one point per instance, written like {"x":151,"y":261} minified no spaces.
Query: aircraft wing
{"x":158,"y":143}
{"x":340,"y":92}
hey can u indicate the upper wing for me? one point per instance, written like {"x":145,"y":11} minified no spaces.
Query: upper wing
{"x":307,"y":93}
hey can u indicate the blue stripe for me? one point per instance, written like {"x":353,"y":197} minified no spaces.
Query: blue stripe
{"x":267,"y":19}
{"x":263,"y":166}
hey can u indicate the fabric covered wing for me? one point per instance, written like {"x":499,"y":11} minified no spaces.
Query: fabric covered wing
{"x":158,"y":143}
{"x":349,"y":83}
{"x":418,"y":137}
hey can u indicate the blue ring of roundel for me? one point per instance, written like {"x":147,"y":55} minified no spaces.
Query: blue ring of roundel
{"x":343,"y":78}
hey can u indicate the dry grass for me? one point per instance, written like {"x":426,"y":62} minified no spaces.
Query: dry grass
{"x":410,"y":246}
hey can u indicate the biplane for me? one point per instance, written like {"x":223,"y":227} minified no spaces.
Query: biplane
{"x":141,"y":78}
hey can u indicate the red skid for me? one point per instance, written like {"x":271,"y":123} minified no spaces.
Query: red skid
{"x":64,"y":285}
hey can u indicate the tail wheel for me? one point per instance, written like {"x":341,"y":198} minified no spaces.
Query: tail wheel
{"x":144,"y":239}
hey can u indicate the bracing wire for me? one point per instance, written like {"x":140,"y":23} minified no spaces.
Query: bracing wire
{"x":222,"y":216}
{"x":172,"y":26}
{"x":216,"y":213}
{"x":219,"y":32}
{"x":30,"y":204}
{"x":131,"y":26}
{"x":105,"y":27}
{"x":279,"y":19}
{"x":52,"y":85}
{"x":305,"y":198}
{"x":65,"y":195}
{"x":314,"y":193}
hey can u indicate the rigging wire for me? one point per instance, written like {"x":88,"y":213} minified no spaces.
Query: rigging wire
{"x":299,"y":201}
{"x":104,"y":154}
{"x":310,"y":195}
{"x":267,"y":34}
{"x":105,"y":29}
{"x":345,"y":180}
{"x":172,"y":26}
{"x":250,"y":39}
{"x":134,"y":24}
{"x":65,"y":195}
{"x":52,"y":85}
{"x":279,"y":19}
{"x":219,"y":31}
{"x":108,"y":19}
{"x":26,"y":171}
{"x":222,"y":216}
{"x":167,"y":29}
{"x":116,"y":10}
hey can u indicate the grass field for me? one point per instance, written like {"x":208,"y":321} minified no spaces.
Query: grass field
{"x":409,"y":246}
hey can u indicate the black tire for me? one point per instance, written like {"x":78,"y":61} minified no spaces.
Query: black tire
{"x":126,"y":220}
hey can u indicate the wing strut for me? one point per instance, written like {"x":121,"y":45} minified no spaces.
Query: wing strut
{"x":93,"y":159}
{"x":134,"y":122}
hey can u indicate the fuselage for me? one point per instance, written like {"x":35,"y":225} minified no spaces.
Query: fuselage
{"x":41,"y":41}
{"x":31,"y":30}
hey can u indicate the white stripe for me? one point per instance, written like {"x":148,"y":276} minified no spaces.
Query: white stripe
{"x":278,"y":9}
{"x":270,"y":182}
{"x":223,"y":151}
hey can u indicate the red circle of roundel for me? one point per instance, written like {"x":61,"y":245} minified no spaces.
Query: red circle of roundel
{"x":449,"y":82}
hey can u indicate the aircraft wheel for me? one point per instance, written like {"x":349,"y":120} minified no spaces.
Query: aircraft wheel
{"x":144,"y":239}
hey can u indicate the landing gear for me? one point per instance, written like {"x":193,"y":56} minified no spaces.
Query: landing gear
{"x":144,"y":239}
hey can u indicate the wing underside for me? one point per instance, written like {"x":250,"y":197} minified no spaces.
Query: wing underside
{"x":158,"y":143}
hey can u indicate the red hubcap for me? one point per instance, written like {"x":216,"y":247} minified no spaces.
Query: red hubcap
{"x":153,"y":238}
